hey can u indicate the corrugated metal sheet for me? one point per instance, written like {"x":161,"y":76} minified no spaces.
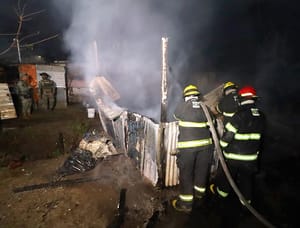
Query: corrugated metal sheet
{"x":7,"y":108}
{"x":142,"y":145}
{"x":172,"y":171}
{"x":119,"y":130}
{"x":138,"y":136}
{"x":57,"y":74}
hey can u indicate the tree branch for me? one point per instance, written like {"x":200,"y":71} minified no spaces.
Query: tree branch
{"x":23,"y":17}
{"x":40,"y":41}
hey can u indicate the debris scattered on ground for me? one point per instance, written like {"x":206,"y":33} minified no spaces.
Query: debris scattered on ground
{"x":98,"y":144}
{"x":53,"y":184}
{"x":78,"y":162}
{"x":92,"y":147}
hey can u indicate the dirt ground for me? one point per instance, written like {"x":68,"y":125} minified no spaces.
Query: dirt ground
{"x":31,"y":153}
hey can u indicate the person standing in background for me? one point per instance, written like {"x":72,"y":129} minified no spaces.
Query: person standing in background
{"x":47,"y":92}
{"x":33,"y":83}
{"x":24,"y":92}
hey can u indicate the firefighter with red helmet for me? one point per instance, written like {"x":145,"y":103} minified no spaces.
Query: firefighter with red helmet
{"x":241,"y":145}
{"x":195,"y":149}
{"x":228,"y":103}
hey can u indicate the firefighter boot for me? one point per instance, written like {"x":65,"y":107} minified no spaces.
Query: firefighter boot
{"x":199,"y":202}
{"x":178,"y":205}
{"x":212,"y":189}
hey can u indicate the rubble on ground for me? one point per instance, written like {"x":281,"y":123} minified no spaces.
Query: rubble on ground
{"x":92,"y":147}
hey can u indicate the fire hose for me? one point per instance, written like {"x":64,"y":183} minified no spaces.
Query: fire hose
{"x":227,"y":172}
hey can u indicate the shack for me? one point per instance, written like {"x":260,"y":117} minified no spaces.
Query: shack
{"x":57,"y":74}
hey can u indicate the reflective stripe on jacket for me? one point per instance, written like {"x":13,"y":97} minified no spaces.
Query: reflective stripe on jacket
{"x":241,"y":157}
{"x":243,"y":134}
{"x":194,"y":133}
{"x":228,"y":114}
{"x":194,"y":143}
{"x":192,"y":124}
{"x":186,"y":198}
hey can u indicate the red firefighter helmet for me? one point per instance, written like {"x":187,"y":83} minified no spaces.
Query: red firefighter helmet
{"x":247,"y":92}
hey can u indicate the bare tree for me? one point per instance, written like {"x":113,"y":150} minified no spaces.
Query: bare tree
{"x":18,"y":37}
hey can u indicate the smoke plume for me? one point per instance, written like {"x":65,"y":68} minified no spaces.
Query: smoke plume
{"x":127,"y":34}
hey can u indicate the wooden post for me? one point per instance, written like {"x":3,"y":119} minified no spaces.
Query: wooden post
{"x":98,"y":99}
{"x":163,"y":116}
{"x":164,"y":88}
{"x":96,"y":56}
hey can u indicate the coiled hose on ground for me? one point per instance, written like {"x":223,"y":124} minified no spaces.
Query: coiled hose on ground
{"x":227,"y":172}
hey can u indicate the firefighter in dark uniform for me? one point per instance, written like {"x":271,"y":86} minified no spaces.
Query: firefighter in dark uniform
{"x":228,"y":103}
{"x":195,"y":149}
{"x":47,"y":92}
{"x":241,"y":144}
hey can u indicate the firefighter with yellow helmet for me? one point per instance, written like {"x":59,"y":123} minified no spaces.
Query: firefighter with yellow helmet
{"x":228,"y":103}
{"x":195,"y":149}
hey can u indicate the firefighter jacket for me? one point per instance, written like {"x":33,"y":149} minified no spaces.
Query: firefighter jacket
{"x":47,"y":87}
{"x":243,"y":134}
{"x":194,"y":133}
{"x":228,"y":105}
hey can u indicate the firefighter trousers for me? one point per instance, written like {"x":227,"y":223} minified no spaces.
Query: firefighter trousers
{"x":194,"y":167}
{"x":243,"y":174}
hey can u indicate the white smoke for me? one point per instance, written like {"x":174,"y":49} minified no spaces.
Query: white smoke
{"x":128,"y":36}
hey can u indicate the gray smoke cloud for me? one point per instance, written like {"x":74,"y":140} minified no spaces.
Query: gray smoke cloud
{"x":128,"y":36}
{"x":204,"y":36}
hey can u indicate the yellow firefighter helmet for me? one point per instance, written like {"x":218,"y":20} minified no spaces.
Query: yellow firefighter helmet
{"x":191,"y":90}
{"x":229,"y":84}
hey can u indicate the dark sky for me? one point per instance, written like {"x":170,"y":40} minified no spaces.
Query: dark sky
{"x":250,"y":41}
{"x":44,"y":23}
{"x":234,"y":32}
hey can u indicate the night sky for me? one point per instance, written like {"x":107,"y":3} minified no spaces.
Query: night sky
{"x":250,"y":42}
{"x":226,"y":32}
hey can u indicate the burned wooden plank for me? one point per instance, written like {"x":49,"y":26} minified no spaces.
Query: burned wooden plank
{"x":120,"y":216}
{"x":55,"y":184}
{"x":7,"y":108}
